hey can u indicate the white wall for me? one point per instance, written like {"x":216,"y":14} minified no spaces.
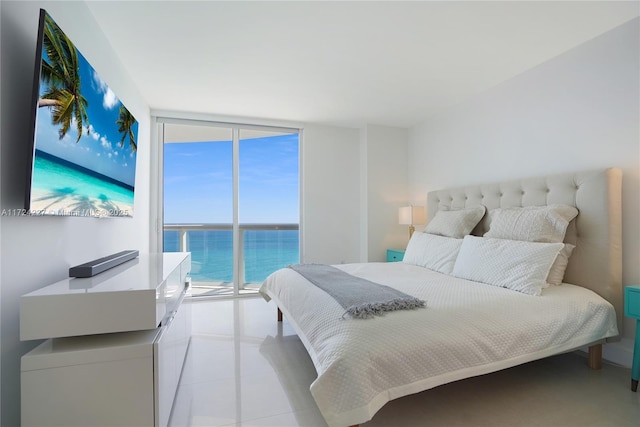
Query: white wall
{"x":37,"y":251}
{"x":386,"y":189}
{"x":577,"y":111}
{"x":330,"y":195}
{"x":353,"y":182}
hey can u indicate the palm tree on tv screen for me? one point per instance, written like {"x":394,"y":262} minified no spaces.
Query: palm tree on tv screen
{"x":62,"y":75}
{"x":125,"y":124}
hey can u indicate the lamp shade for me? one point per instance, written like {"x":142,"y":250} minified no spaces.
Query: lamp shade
{"x":410,"y":215}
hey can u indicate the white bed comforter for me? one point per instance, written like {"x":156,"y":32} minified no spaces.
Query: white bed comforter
{"x":467,"y":329}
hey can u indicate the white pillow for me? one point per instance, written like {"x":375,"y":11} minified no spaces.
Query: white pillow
{"x":556,"y":274}
{"x":531,"y":223}
{"x":457,"y":223}
{"x":513,"y":264}
{"x":433,"y":252}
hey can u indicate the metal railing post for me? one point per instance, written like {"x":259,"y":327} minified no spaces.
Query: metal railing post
{"x":241,"y":260}
{"x":183,"y":239}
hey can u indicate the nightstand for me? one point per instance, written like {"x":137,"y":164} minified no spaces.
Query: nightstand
{"x":632,"y":309}
{"x":394,"y":255}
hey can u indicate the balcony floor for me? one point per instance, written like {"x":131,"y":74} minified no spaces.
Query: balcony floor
{"x":221,"y":289}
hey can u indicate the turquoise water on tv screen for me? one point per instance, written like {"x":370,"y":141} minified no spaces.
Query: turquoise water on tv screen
{"x":58,"y":187}
{"x":265,"y":251}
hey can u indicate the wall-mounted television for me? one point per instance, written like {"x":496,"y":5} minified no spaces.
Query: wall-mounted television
{"x":84,"y":145}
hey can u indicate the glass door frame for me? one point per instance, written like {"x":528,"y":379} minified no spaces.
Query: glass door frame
{"x":157,"y":183}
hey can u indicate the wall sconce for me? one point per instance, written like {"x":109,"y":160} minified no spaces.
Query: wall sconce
{"x":410,"y":215}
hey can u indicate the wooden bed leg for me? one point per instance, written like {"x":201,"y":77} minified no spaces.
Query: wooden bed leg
{"x":595,"y":356}
{"x":279,"y":315}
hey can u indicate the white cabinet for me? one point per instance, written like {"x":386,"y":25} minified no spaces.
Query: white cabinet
{"x":169,"y":354}
{"x":115,"y":379}
{"x":90,"y":381}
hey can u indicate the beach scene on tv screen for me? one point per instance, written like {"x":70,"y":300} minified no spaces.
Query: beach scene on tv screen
{"x":85,"y":141}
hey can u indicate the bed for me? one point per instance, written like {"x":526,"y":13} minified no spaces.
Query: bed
{"x":468,"y":327}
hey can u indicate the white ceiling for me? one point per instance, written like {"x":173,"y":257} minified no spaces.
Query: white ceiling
{"x":342,"y":63}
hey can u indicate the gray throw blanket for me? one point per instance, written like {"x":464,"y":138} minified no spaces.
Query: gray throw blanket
{"x":361,"y":298}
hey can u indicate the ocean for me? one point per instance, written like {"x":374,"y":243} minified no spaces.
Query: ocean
{"x":265,"y":251}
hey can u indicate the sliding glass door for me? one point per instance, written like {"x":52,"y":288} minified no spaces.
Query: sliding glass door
{"x":231,"y":198}
{"x":268,"y":203}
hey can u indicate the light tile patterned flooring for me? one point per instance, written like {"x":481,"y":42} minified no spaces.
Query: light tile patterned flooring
{"x":246,"y":369}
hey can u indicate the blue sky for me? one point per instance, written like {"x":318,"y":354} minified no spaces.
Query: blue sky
{"x":198,"y":185}
{"x":99,"y":147}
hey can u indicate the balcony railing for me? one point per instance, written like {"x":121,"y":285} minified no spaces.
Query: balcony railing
{"x":263,"y":248}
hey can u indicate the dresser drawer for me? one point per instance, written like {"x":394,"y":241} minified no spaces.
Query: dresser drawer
{"x":632,"y":301}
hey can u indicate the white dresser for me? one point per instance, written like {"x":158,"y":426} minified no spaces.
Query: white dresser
{"x":115,"y":347}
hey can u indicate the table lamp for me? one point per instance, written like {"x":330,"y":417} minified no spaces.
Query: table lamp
{"x":410,"y":215}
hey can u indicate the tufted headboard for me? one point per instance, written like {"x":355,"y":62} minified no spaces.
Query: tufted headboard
{"x":596,"y":262}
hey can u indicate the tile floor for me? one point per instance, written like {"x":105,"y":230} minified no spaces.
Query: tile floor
{"x":246,"y":369}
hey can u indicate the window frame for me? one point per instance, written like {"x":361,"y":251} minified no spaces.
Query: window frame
{"x":157,"y":180}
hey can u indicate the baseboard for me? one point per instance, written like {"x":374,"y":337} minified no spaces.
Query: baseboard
{"x":619,"y":352}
